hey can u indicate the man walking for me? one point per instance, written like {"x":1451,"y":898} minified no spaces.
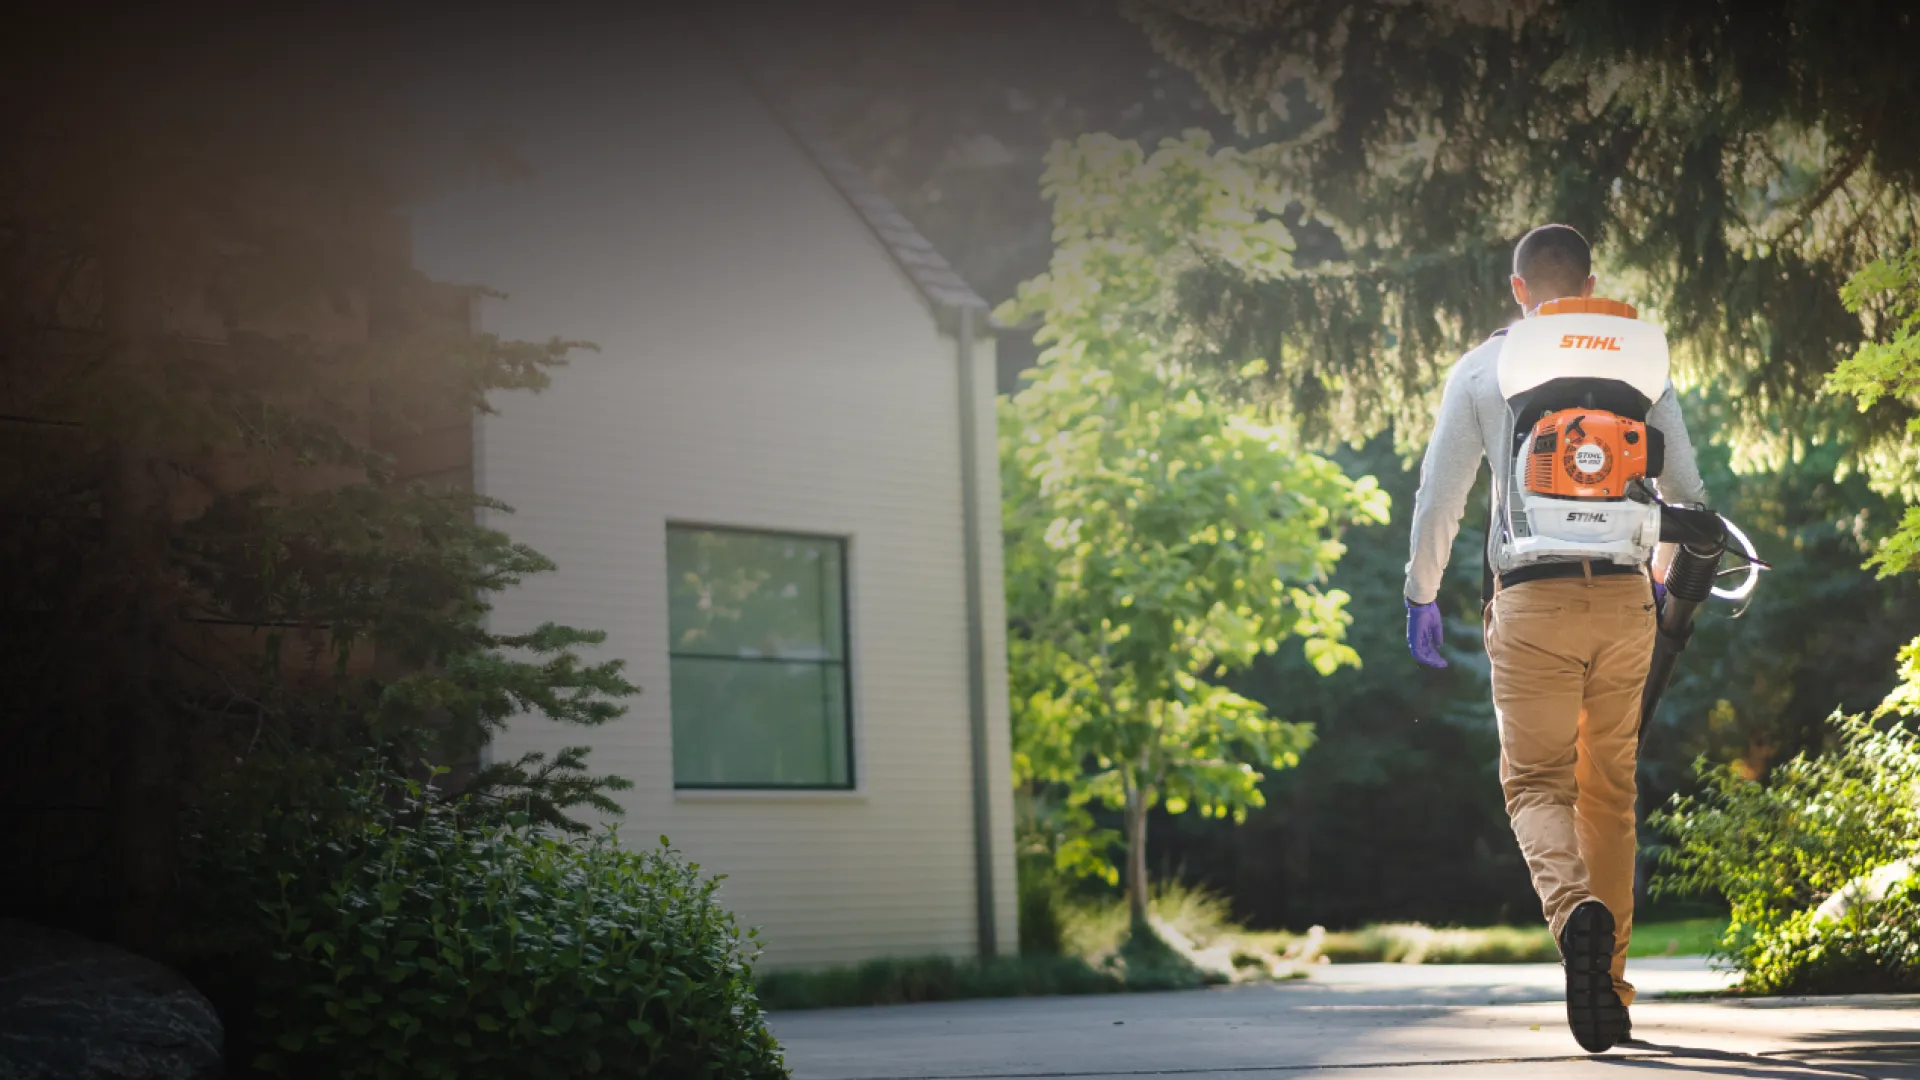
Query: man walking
{"x":1569,"y":640}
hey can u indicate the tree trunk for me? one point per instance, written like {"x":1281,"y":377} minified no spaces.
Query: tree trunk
{"x":133,"y":507}
{"x":1137,"y":893}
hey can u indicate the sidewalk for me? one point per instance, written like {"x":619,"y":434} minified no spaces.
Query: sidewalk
{"x":1371,"y":1021}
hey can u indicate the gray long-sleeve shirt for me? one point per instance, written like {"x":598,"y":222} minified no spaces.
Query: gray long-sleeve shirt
{"x":1473,"y":426}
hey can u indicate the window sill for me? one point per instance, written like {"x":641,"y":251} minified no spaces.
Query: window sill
{"x":830,"y":795}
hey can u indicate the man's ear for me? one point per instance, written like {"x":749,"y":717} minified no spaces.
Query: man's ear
{"x":1520,"y":291}
{"x":1587,"y":289}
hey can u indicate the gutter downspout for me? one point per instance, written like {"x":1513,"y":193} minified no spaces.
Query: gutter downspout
{"x":988,"y":936}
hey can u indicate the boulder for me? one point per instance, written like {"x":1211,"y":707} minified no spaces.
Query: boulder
{"x":74,"y":1009}
{"x":1866,"y":889}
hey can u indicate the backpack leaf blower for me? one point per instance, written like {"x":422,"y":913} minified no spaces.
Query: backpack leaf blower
{"x":1580,"y":379}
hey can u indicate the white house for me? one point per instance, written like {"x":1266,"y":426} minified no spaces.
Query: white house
{"x":773,"y":486}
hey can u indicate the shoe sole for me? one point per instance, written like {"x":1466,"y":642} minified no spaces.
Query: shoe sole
{"x":1594,"y":1011}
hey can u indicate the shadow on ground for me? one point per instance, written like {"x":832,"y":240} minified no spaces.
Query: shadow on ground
{"x":1364,"y":1022}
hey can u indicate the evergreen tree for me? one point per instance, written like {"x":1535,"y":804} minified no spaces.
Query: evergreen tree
{"x":212,"y":341}
{"x":1732,"y":163}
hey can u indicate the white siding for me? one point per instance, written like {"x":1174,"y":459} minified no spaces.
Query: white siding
{"x":762,"y":364}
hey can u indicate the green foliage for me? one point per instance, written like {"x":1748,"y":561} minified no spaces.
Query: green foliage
{"x":1776,"y":849}
{"x":379,"y":929}
{"x":933,"y":978}
{"x":1156,"y":539}
{"x":543,"y":791}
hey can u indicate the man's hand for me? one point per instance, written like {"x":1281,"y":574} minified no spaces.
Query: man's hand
{"x":1423,"y":633}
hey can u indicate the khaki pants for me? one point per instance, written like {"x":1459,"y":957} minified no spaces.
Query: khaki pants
{"x":1569,"y":662}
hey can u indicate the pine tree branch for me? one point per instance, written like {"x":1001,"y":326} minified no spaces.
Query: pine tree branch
{"x":1819,"y":198}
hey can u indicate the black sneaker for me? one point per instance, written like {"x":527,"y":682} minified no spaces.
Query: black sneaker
{"x":1594,"y":1011}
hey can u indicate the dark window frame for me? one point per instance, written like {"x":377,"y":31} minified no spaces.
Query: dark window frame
{"x":841,"y":542}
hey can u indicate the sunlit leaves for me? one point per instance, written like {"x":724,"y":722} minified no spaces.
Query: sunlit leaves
{"x":1886,"y":371}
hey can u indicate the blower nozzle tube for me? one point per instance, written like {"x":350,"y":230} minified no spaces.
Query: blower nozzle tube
{"x":1702,"y":540}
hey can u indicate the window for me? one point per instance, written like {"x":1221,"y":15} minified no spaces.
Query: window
{"x":759,"y":660}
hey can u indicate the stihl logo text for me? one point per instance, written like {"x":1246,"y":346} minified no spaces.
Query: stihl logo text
{"x":1588,"y":341}
{"x":1597,"y":519}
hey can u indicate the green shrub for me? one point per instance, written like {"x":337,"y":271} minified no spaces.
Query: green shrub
{"x":932,"y":978}
{"x":381,"y":930}
{"x":1875,"y":949}
{"x":1774,"y":850}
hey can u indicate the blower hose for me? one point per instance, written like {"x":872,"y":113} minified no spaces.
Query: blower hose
{"x":1691,"y":575}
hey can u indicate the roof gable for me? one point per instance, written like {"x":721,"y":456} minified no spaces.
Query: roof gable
{"x":936,"y":279}
{"x":944,"y":290}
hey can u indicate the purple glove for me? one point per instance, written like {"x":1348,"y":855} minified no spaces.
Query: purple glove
{"x":1659,"y":595}
{"x":1423,"y":633}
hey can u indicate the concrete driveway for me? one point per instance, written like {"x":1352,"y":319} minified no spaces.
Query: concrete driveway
{"x":1371,"y":1021}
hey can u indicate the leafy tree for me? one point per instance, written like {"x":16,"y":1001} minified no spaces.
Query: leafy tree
{"x":214,"y":344}
{"x":1157,"y":539}
{"x":1732,"y":162}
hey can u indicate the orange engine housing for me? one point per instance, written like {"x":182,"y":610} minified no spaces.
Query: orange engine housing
{"x":1584,"y":454}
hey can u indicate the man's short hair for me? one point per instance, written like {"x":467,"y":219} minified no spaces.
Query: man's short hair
{"x":1554,"y":261}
